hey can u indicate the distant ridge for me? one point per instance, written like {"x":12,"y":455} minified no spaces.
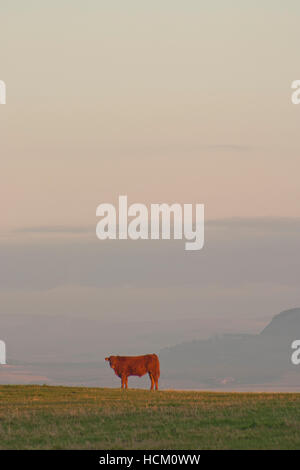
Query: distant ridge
{"x":239,"y":359}
{"x":286,"y":323}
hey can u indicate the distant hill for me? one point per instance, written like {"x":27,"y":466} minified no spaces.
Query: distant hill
{"x":238,"y":359}
{"x":285,"y":324}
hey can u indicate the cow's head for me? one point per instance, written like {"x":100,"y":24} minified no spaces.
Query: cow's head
{"x":112,"y":361}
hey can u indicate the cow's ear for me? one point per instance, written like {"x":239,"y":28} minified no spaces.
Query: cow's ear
{"x":107,"y":358}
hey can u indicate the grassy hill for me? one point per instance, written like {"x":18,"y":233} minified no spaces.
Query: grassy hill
{"x":42,"y":417}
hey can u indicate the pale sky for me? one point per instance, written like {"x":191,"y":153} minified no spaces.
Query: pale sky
{"x":163,"y":101}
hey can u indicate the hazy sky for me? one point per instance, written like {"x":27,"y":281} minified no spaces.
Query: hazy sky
{"x":165,"y":101}
{"x":162,"y":101}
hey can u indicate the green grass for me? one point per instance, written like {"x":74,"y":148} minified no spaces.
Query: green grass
{"x":42,"y":417}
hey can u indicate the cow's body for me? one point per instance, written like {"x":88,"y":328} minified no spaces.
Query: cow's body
{"x":124,"y":366}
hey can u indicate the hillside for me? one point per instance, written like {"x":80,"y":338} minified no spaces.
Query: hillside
{"x":285,"y":325}
{"x":41,"y":417}
{"x":233,"y":360}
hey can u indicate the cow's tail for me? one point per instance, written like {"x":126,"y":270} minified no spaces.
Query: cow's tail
{"x":156,"y":366}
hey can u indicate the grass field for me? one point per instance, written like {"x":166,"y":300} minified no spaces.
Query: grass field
{"x":42,"y":417}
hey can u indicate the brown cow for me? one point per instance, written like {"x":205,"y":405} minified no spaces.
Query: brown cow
{"x":124,"y":366}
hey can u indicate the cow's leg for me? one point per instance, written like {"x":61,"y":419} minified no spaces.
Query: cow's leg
{"x":126,"y":382}
{"x":122,"y":381}
{"x":156,"y":383}
{"x":152,"y":381}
